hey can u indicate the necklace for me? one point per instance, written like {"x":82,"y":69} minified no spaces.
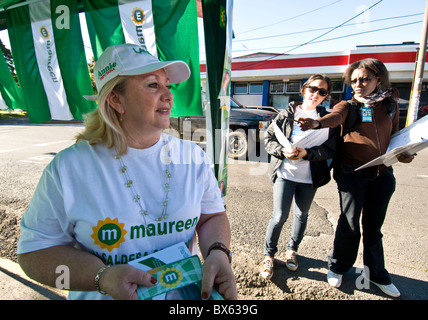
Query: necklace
{"x":129,"y":183}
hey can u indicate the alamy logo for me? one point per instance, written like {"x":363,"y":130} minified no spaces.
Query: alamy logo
{"x":362,"y":281}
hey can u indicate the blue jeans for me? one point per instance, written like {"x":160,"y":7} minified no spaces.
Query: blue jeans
{"x":284,"y":191}
{"x":362,"y":193}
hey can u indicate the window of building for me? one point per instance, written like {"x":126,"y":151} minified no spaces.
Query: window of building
{"x":240,"y":88}
{"x":248,"y":88}
{"x":256,"y":88}
{"x":282,"y":93}
{"x":337,"y":86}
{"x":337,"y":91}
{"x":277,"y":87}
{"x":293,"y":87}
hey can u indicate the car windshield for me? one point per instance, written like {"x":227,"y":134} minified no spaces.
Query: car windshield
{"x":234,"y":104}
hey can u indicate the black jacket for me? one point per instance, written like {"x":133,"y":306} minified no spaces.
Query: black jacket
{"x":317,"y":156}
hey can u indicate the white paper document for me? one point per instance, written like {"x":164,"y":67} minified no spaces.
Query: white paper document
{"x":311,"y":139}
{"x":410,"y":139}
{"x":282,"y":139}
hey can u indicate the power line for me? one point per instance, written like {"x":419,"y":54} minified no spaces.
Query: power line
{"x":337,"y":27}
{"x":312,"y":40}
{"x":341,"y":37}
{"x":325,"y":28}
{"x":292,"y":18}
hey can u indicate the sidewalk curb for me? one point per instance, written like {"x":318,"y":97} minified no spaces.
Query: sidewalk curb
{"x":15,"y":285}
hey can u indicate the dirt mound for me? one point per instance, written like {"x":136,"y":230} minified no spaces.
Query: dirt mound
{"x":9,"y":232}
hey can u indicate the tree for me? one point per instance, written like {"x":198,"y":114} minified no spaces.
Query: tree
{"x":91,"y":66}
{"x":9,"y":59}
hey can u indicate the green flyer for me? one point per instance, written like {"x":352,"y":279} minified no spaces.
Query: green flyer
{"x":181,"y":280}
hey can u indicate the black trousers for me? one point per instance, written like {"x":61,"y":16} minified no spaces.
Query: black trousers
{"x":363,"y":194}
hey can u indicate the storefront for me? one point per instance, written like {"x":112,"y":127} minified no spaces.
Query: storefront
{"x":275,"y":79}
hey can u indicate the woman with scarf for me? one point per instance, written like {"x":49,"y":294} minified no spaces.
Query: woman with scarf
{"x":368,"y":121}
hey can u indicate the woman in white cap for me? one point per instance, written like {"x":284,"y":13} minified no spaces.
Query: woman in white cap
{"x":125,"y":189}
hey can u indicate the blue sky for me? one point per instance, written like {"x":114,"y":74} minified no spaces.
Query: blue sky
{"x":284,"y":26}
{"x":308,"y":26}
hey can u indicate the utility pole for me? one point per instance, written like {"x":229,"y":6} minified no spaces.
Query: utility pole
{"x":412,"y":112}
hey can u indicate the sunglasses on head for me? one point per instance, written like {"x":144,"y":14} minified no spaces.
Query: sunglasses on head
{"x":313,"y":89}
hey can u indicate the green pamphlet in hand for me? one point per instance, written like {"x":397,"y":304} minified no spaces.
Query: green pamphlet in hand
{"x":180,"y":279}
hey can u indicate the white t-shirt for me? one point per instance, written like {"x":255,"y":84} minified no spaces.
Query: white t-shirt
{"x":298,"y":170}
{"x":82,"y":199}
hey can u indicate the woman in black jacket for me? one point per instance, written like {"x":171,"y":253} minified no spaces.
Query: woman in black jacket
{"x":297,"y":173}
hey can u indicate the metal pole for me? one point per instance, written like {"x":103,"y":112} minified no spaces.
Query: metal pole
{"x":412,"y":113}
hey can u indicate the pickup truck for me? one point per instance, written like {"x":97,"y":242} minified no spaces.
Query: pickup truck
{"x":241,"y":120}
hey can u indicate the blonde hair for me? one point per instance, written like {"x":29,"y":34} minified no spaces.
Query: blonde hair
{"x":103,"y":124}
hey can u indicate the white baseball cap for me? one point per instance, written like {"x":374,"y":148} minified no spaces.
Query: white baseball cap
{"x":130,"y":60}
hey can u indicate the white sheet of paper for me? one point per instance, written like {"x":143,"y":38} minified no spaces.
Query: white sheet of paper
{"x":388,"y":159}
{"x":313,"y":138}
{"x":282,"y":139}
{"x":168,"y":255}
{"x":410,"y":139}
{"x":411,"y":134}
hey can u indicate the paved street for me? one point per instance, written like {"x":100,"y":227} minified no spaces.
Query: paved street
{"x":26,"y":149}
{"x":405,"y":233}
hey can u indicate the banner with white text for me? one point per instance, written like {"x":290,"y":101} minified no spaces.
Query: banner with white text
{"x":48,"y":53}
{"x":168,"y":29}
{"x":137,"y":23}
{"x":47,"y":61}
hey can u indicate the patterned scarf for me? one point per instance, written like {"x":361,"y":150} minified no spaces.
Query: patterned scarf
{"x":374,"y":97}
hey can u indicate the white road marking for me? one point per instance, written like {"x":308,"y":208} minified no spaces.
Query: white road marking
{"x":34,"y":145}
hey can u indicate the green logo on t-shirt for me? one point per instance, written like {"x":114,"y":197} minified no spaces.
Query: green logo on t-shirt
{"x":109,"y":234}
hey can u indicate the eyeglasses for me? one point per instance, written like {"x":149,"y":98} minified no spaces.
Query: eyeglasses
{"x":313,"y":89}
{"x":362,"y":80}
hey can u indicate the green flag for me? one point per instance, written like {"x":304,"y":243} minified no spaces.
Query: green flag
{"x":48,"y":52}
{"x":217,"y":26}
{"x":167,"y":29}
{"x":176,"y":29}
{"x":104,"y":26}
{"x":21,"y":41}
{"x":8,"y":88}
{"x":71,"y":56}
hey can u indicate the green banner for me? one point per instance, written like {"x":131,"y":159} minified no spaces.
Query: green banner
{"x":49,"y":54}
{"x":21,"y":41}
{"x":71,"y":56}
{"x":176,"y":33}
{"x":176,"y":29}
{"x":216,"y":26}
{"x":8,"y":88}
{"x":104,"y":25}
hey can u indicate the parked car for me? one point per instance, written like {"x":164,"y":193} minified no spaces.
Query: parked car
{"x":241,"y":120}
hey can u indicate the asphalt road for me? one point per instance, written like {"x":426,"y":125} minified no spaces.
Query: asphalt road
{"x":26,"y":149}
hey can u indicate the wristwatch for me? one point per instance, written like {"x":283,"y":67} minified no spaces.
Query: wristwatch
{"x":222,"y":247}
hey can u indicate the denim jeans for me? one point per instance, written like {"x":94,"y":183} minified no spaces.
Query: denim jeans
{"x":284,"y":191}
{"x":362,"y":193}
